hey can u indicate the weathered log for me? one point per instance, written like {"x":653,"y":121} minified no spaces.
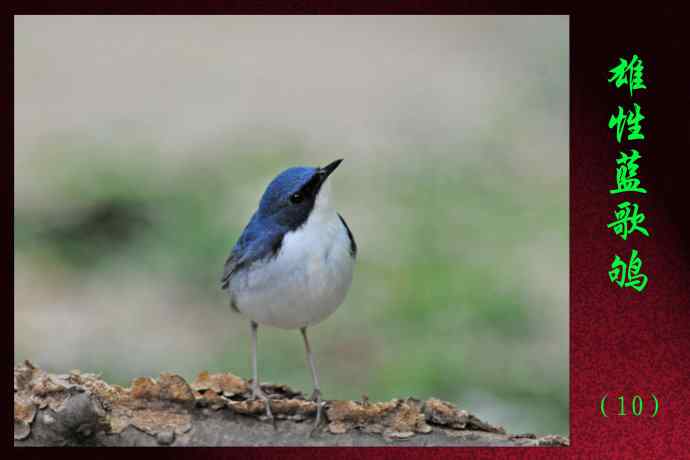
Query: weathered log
{"x":79,"y":409}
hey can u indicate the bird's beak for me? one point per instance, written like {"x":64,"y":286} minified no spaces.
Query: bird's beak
{"x":329,"y":168}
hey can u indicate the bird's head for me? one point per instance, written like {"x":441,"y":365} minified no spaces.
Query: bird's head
{"x":292,"y":196}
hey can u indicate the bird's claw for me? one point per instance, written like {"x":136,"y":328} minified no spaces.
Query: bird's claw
{"x":316,"y":397}
{"x":257,"y":393}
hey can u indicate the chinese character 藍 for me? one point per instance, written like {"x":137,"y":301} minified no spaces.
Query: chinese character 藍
{"x":632,"y":120}
{"x":627,"y":220}
{"x":626,"y":174}
{"x":629,"y":73}
{"x":628,"y":275}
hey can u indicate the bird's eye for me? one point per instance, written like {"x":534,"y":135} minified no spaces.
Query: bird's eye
{"x":296,"y":197}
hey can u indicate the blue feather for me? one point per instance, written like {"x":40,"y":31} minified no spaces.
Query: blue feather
{"x":260,"y":239}
{"x":278,"y":213}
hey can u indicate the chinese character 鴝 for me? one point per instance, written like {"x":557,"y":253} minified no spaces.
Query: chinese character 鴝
{"x":628,"y":275}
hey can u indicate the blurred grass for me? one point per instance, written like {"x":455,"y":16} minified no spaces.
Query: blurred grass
{"x":142,"y":152}
{"x":441,"y":303}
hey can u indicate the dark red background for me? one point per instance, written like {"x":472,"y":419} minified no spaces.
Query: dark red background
{"x":622,"y":342}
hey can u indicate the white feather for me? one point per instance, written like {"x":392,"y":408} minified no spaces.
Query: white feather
{"x":307,"y":280}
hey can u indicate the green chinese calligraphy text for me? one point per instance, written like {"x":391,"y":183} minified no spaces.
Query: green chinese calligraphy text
{"x":628,"y":275}
{"x":628,"y":220}
{"x":626,"y":173}
{"x":628,"y":73}
{"x":631,"y":120}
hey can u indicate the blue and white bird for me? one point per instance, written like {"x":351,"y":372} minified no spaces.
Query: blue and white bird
{"x":292,"y":266}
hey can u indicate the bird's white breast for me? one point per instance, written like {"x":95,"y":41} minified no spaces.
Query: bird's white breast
{"x":306,"y":281}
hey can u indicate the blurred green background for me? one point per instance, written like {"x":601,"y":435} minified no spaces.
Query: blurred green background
{"x":142,"y":145}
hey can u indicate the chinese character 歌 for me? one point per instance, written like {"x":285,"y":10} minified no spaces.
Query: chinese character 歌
{"x":627,"y":220}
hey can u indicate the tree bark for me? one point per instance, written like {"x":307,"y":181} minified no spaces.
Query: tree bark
{"x":78,"y":409}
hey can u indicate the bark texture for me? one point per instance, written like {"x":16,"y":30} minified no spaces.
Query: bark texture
{"x":80,"y":409}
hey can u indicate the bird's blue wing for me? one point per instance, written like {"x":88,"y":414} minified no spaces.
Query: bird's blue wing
{"x":257,"y":242}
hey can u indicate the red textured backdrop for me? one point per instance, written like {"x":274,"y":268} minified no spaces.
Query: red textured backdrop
{"x":624,"y":342}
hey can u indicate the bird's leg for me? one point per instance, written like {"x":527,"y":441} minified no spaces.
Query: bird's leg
{"x":316,"y":395}
{"x":257,"y":393}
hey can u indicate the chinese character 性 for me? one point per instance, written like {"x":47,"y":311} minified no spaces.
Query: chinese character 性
{"x":627,"y":220}
{"x":629,"y":73}
{"x":626,"y":173}
{"x":628,"y":275}
{"x":632,"y":120}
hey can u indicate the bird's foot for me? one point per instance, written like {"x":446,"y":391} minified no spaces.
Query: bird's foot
{"x":257,"y":393}
{"x":316,"y":397}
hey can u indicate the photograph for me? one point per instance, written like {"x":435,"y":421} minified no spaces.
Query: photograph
{"x":292,"y":230}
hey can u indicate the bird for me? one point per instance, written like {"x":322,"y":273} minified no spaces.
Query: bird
{"x":293,"y":264}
